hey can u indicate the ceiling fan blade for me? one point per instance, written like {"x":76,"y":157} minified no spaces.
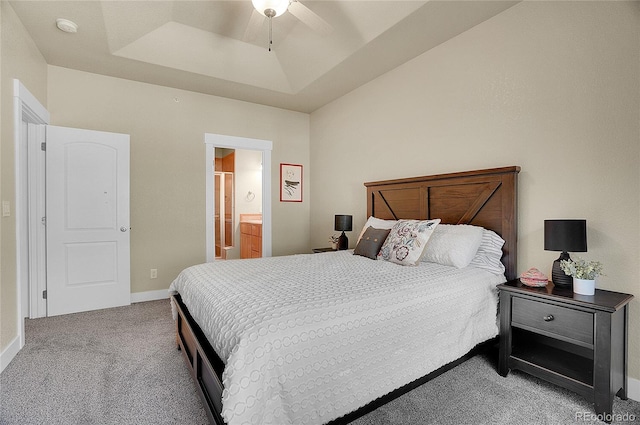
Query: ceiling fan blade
{"x":310,"y":18}
{"x":254,"y":26}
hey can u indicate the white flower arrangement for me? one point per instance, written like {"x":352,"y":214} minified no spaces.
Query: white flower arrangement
{"x":334,"y":241}
{"x":581,"y":269}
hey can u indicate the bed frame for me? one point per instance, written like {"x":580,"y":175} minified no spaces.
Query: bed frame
{"x":486,"y":198}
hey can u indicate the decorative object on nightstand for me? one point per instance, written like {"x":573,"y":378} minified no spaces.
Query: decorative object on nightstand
{"x":534,"y":277}
{"x":334,"y":242}
{"x":574,"y":341}
{"x":584,"y":274}
{"x":343,"y":223}
{"x":564,"y":236}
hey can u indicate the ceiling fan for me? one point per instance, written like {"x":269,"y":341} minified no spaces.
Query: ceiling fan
{"x":274,"y":8}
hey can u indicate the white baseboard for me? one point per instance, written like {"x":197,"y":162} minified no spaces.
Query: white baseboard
{"x":633,"y":390}
{"x":9,"y":353}
{"x":161,"y":294}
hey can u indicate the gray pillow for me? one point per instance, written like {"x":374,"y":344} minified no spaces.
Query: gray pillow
{"x":371,"y":241}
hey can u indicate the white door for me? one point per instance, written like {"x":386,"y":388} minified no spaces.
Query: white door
{"x":87,"y":215}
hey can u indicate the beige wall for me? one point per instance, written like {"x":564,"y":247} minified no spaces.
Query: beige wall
{"x":19,"y":59}
{"x":552,"y":87}
{"x":167,"y":128}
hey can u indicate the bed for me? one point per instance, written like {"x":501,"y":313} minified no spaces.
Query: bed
{"x":319,"y":338}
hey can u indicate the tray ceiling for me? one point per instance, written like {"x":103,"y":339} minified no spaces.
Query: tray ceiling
{"x":201,"y":45}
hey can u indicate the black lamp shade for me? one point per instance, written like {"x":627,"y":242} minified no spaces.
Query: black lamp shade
{"x":344,"y":223}
{"x":565,"y":235}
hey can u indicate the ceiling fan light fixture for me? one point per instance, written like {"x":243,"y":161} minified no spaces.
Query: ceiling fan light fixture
{"x":270,"y":8}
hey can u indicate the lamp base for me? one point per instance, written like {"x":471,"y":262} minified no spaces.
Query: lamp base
{"x":558,"y":277}
{"x":343,"y":242}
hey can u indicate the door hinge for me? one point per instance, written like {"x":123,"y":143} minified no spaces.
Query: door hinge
{"x":44,"y":221}
{"x":43,"y":146}
{"x":44,"y":294}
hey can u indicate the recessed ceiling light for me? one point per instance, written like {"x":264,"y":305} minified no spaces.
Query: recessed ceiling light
{"x":66,"y":25}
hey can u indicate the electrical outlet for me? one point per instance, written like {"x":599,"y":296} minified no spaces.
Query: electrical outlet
{"x":154,"y":273}
{"x":6,"y":209}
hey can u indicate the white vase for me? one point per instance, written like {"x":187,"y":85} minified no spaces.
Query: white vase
{"x":584,"y":286}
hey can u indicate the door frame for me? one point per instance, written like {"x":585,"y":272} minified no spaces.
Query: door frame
{"x":213,"y":141}
{"x":27,"y":109}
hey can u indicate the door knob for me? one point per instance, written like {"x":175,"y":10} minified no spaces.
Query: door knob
{"x":123,"y":229}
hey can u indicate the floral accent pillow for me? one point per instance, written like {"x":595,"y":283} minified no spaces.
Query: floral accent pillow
{"x":407,"y":241}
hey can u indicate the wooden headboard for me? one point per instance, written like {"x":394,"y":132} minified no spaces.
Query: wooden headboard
{"x":486,"y":198}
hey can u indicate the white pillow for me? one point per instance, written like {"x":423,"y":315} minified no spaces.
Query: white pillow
{"x":407,"y":240}
{"x":378,"y":223}
{"x":489,"y":253}
{"x":453,"y":245}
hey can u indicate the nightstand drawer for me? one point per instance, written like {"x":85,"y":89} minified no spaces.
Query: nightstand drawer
{"x":552,"y":319}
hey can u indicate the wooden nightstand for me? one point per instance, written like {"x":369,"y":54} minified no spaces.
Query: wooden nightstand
{"x":578,"y":342}
{"x":317,"y":250}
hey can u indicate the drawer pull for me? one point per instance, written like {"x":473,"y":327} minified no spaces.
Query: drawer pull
{"x":548,"y":318}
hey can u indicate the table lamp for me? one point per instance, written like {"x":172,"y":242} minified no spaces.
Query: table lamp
{"x":343,"y":223}
{"x":564,"y":236}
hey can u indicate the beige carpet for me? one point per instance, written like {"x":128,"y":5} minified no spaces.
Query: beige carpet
{"x":121,"y":366}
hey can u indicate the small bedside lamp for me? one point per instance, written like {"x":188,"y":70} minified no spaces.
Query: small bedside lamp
{"x":564,"y":236}
{"x":344,"y":223}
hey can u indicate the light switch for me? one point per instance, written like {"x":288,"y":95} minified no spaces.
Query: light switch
{"x":6,"y":209}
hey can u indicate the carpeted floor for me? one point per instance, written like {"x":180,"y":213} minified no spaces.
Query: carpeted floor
{"x":474,"y":393}
{"x":113,"y":366}
{"x":121,"y":366}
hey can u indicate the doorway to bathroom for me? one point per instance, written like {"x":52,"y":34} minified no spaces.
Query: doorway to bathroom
{"x":238,"y":206}
{"x":238,"y":197}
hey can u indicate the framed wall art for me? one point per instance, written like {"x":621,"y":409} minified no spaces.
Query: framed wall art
{"x":290,"y":183}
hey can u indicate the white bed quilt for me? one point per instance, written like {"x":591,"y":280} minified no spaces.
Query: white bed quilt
{"x":309,"y":338}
